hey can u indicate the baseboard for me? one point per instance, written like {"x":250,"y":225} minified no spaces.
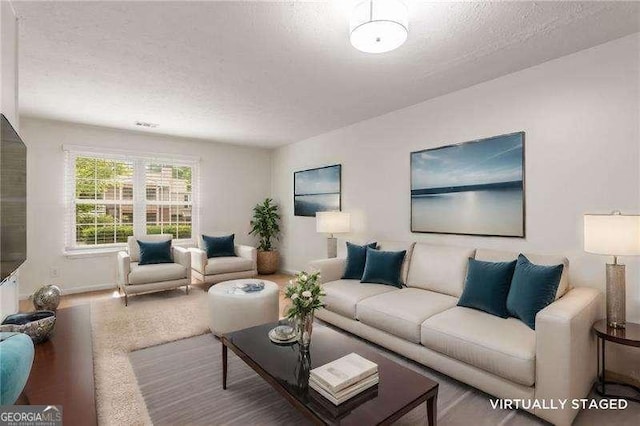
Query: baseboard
{"x":289,"y":271}
{"x":82,"y":289}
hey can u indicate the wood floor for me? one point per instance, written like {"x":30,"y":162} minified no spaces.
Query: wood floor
{"x":62,"y":371}
{"x":82,"y":298}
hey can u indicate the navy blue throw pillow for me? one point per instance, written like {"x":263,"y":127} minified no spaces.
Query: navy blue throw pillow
{"x":383,"y":267}
{"x":152,"y":252}
{"x":487,"y":286}
{"x":533,"y":288}
{"x":219,"y":246}
{"x":356,"y":258}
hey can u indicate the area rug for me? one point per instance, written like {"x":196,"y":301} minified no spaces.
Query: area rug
{"x":118,"y":330}
{"x":164,"y":340}
{"x":181,"y":383}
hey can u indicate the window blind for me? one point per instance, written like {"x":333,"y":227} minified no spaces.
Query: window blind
{"x":111,"y":195}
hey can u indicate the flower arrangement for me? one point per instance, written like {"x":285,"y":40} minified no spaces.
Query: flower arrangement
{"x":305,"y":294}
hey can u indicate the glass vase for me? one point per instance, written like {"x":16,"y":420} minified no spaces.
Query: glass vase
{"x":302,"y":371}
{"x":305,"y":328}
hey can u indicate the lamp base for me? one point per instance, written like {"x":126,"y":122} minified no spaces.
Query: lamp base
{"x":616,"y":296}
{"x":332,"y":247}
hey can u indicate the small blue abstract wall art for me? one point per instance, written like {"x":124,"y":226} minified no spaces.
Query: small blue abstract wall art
{"x":472,"y":188}
{"x":317,"y":190}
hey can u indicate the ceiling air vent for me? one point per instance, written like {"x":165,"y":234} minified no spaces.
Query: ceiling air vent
{"x":147,"y":125}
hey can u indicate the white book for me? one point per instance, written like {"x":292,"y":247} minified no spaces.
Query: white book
{"x":347,"y":393}
{"x":358,"y":386}
{"x":343,"y":372}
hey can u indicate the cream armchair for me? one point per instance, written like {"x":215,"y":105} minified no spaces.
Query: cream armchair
{"x":136,"y":279}
{"x":218,"y":269}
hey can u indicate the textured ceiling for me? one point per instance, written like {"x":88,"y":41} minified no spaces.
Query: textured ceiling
{"x":271,"y":73}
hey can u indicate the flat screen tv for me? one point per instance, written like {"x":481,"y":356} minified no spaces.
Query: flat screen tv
{"x":13,"y":200}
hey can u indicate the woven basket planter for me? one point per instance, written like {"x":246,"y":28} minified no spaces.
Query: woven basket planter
{"x":268,"y":262}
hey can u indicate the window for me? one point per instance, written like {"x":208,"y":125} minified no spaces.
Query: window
{"x":168,"y":189}
{"x":103,"y":214}
{"x":113,"y":196}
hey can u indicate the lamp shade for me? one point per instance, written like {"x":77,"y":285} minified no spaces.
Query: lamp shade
{"x":612,"y":234}
{"x":333,"y":222}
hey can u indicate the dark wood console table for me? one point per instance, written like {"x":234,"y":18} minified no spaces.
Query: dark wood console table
{"x":62,"y":372}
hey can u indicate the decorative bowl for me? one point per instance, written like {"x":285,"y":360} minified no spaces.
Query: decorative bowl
{"x":38,"y":325}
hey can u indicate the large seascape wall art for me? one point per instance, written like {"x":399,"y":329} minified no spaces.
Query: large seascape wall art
{"x":472,"y":188}
{"x":317,"y":190}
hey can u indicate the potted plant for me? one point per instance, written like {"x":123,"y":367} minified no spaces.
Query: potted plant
{"x":305,"y":294}
{"x":265,"y":225}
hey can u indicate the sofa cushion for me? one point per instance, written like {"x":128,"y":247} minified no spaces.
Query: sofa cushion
{"x":343,"y":295}
{"x":219,"y":246}
{"x":134,"y":248}
{"x":439,"y":268}
{"x":356,"y":258}
{"x":538,"y":259}
{"x":402,"y":312}
{"x":400,"y":246}
{"x":224,"y":265}
{"x":145,"y":274}
{"x":383,"y":267}
{"x":505,"y":347}
{"x":487,"y":286}
{"x":533,"y":288}
{"x":152,"y":252}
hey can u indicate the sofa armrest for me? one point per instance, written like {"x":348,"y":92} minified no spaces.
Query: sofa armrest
{"x":330,"y":269}
{"x":566,"y":351}
{"x":182,"y":256}
{"x":198,"y":259}
{"x":247,"y":252}
{"x":124,"y":267}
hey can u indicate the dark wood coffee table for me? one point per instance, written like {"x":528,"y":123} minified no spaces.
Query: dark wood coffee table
{"x":287,"y":369}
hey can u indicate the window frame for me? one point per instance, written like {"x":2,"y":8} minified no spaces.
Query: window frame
{"x":139,"y":161}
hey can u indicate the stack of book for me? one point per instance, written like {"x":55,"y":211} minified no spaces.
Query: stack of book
{"x":344,"y":378}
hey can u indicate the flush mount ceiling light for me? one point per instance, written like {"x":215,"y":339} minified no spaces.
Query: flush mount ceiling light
{"x":379,"y":26}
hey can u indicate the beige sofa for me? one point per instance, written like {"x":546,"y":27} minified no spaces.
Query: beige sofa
{"x":502,"y":357}
{"x":135,"y":279}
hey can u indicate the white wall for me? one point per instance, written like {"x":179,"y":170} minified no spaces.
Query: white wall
{"x":233,"y":180}
{"x":9,"y":103}
{"x":582,"y":121}
{"x":9,"y":62}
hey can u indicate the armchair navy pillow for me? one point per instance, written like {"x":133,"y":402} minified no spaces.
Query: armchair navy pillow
{"x":219,"y":246}
{"x":356,"y":258}
{"x":487,"y":286}
{"x":155,"y":252}
{"x":383,"y":267}
{"x":533,"y":288}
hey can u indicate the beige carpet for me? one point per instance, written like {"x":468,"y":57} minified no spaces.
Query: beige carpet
{"x":117,"y":330}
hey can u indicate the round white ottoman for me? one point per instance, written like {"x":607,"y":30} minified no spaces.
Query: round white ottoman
{"x":231,"y":310}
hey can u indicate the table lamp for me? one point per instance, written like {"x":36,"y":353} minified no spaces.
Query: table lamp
{"x":614,"y":235}
{"x":332,"y":223}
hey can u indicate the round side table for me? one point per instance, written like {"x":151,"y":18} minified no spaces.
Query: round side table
{"x":629,"y":336}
